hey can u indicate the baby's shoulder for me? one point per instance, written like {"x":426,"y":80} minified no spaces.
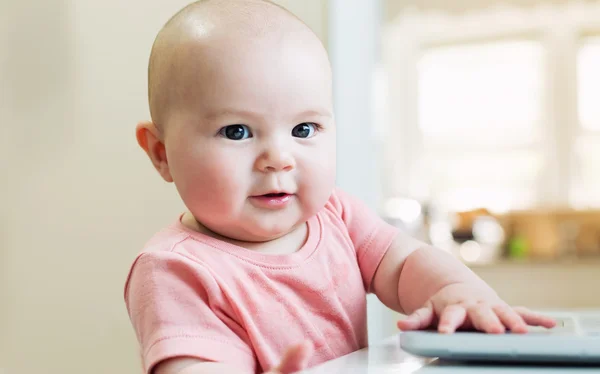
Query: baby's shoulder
{"x":339,"y":204}
{"x":174,"y":242}
{"x":171,"y":256}
{"x":167,"y":239}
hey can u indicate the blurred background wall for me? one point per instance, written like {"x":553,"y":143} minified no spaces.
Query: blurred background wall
{"x":472,"y":124}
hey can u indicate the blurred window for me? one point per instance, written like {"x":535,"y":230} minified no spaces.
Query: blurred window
{"x":585,"y":183}
{"x":480,"y":119}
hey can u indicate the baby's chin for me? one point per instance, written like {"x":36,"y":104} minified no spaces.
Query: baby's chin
{"x":261,"y":234}
{"x":250,"y":232}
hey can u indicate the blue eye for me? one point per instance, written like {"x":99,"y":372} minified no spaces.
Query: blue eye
{"x":236,"y":132}
{"x":304,"y":130}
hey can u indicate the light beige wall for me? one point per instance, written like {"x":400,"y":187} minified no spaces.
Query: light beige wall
{"x":78,"y":198}
{"x":571,"y":285}
{"x":313,"y":12}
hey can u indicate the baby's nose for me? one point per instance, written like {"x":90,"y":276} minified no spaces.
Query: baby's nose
{"x":275,"y":159}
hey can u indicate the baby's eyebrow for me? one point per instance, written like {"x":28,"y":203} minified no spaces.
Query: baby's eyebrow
{"x":319,"y":112}
{"x":232,"y":112}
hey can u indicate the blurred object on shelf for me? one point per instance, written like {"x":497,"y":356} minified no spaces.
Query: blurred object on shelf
{"x":479,"y":237}
{"x":487,"y":230}
{"x":466,"y":220}
{"x":552,"y":234}
{"x":517,"y":247}
{"x":407,"y":214}
{"x":535,"y":232}
{"x":474,"y":236}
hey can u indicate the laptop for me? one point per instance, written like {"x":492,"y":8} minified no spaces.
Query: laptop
{"x":575,"y":339}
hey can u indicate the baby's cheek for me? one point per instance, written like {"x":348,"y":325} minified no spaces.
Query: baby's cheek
{"x":316,"y":188}
{"x":196,"y":184}
{"x":226,"y":180}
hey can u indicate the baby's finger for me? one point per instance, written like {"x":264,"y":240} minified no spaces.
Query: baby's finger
{"x":452,"y":318}
{"x":295,"y":359}
{"x":419,"y":319}
{"x":535,"y":319}
{"x":511,"y":319}
{"x":484,"y":319}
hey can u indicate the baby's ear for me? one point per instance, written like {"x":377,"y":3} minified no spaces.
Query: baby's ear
{"x":149,"y":138}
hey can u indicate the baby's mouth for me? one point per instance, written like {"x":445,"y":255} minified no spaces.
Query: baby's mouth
{"x":281,"y":194}
{"x":273,"y":200}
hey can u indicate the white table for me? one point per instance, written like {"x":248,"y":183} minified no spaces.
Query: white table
{"x":388,"y":358}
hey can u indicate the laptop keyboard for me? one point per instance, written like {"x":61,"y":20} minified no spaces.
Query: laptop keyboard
{"x":586,"y":325}
{"x":589,"y":325}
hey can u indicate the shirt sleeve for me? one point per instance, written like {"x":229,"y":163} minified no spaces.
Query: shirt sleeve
{"x":177,"y":310}
{"x":370,"y":234}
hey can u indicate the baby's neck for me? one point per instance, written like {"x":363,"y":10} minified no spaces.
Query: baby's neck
{"x":286,"y":244}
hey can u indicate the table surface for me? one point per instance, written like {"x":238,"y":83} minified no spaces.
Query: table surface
{"x":388,"y":357}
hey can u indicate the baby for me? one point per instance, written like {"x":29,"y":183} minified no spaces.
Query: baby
{"x":269,"y":268}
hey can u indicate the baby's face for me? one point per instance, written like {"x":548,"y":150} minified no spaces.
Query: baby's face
{"x":252,"y":150}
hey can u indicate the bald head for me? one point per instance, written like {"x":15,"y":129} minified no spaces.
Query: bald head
{"x":197,"y":36}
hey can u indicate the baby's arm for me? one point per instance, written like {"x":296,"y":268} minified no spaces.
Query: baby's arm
{"x":430,"y":285}
{"x":412,"y":271}
{"x":435,"y":288}
{"x":194,"y":366}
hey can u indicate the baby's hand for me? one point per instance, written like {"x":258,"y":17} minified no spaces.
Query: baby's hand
{"x":461,"y":306}
{"x":294,"y":359}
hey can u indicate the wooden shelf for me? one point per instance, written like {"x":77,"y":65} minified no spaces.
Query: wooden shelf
{"x":519,"y":263}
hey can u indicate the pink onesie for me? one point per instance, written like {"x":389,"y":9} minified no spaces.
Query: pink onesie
{"x":190,"y":295}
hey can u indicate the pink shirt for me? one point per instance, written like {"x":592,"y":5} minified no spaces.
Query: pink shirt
{"x":192,"y":295}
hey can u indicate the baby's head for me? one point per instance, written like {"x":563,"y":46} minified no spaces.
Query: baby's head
{"x":242,"y":117}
